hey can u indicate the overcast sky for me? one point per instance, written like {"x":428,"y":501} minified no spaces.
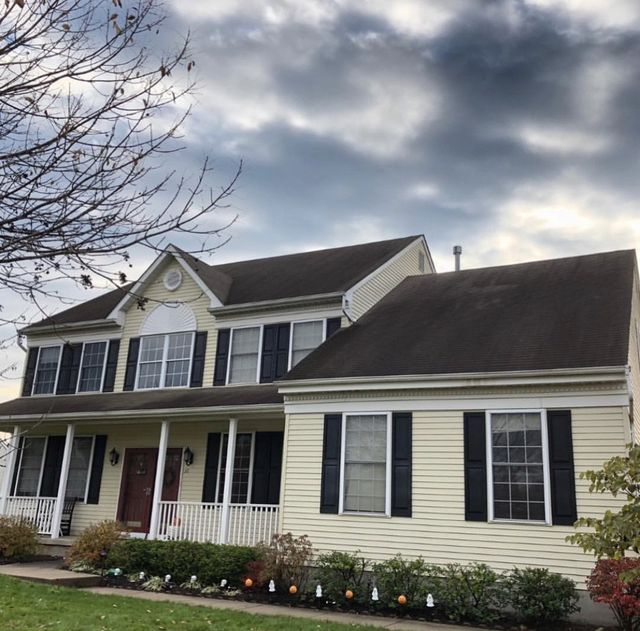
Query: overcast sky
{"x":510,"y":127}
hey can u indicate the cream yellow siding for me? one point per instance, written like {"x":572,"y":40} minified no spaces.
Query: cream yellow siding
{"x":438,"y":530}
{"x":387,"y":277}
{"x":123,"y":436}
{"x":634,"y":358}
{"x":155,"y":291}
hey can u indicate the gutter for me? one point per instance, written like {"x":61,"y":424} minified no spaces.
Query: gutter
{"x":312,"y":300}
{"x":68,"y":326}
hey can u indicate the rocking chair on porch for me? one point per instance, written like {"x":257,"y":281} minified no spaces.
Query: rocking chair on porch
{"x":67,"y":515}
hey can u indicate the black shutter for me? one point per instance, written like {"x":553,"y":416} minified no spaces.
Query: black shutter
{"x":333,"y":325}
{"x":475,"y":467}
{"x":563,"y":484}
{"x":132,"y":364}
{"x":211,"y":468}
{"x":111,"y":365}
{"x":97,"y":464}
{"x":14,"y":480}
{"x":222,"y":357}
{"x":30,"y":371}
{"x":69,"y":369}
{"x":267,"y":468}
{"x":330,"y":488}
{"x":199,"y":353}
{"x":52,"y":466}
{"x":275,"y":352}
{"x":401,"y":458}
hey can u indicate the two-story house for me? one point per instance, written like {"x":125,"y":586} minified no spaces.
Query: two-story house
{"x":352,"y":395}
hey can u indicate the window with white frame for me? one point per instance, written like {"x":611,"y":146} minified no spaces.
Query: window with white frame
{"x":242,"y":463}
{"x":31,"y":466}
{"x":305,"y":337}
{"x":164,"y":361}
{"x":365,"y":470}
{"x":244,"y":355}
{"x":94,"y":355}
{"x":518,"y":471}
{"x":47,"y":370}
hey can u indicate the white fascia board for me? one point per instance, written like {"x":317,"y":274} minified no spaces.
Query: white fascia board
{"x":459,"y":380}
{"x":68,"y":327}
{"x":229,"y":311}
{"x":136,"y":290}
{"x":348,"y":295}
{"x":292,"y":315}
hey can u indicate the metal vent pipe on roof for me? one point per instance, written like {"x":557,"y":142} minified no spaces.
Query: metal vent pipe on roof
{"x":457,"y":252}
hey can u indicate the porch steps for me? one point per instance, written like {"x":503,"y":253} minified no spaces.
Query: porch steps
{"x":55,"y":547}
{"x":49,"y":572}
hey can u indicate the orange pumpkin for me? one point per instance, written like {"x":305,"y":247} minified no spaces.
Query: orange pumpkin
{"x":402,"y":599}
{"x":348,"y":594}
{"x":293,"y":589}
{"x":248,"y":583}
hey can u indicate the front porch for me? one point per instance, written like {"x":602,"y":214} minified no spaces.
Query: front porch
{"x":207,"y":481}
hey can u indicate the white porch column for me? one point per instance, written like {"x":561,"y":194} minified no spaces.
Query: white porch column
{"x":228,"y":480}
{"x":10,"y":461}
{"x":62,"y":485}
{"x":157,"y":487}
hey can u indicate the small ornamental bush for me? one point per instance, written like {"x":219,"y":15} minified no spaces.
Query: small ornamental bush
{"x":338,"y":572}
{"x":211,"y":563}
{"x":286,"y":561}
{"x":473,"y":592}
{"x":398,"y":576}
{"x":18,"y":538}
{"x":540,"y":597}
{"x":95,"y":542}
{"x":616,"y":582}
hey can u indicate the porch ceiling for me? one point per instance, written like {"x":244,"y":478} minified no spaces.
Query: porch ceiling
{"x":153,"y":401}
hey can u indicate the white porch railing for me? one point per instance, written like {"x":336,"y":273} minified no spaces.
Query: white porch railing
{"x":249,"y":524}
{"x":37,"y":510}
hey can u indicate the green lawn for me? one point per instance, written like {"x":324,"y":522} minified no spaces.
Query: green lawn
{"x":30,"y":607}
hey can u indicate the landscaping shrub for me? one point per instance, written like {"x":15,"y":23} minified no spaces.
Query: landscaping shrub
{"x":182,"y":559}
{"x":398,"y":576}
{"x":287,"y":560}
{"x":616,"y":582}
{"x":473,"y":592}
{"x":94,"y":543}
{"x":338,"y":572}
{"x":540,"y":597}
{"x":18,"y":538}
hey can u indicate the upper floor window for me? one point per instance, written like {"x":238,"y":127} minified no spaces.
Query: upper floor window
{"x":305,"y":337}
{"x":165,"y":360}
{"x":244,"y":355}
{"x":47,"y":370}
{"x":94,"y":355}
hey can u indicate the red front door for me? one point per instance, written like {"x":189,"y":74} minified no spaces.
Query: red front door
{"x":136,"y":489}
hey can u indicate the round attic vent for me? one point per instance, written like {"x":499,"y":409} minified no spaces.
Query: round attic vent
{"x":173,"y":279}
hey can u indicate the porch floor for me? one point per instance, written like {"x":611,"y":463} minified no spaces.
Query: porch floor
{"x":49,"y":572}
{"x":275,"y":610}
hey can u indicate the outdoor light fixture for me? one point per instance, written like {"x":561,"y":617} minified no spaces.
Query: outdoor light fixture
{"x":188,"y":457}
{"x":114,"y":457}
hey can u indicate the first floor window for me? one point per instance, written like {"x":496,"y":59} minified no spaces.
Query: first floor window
{"x":46,"y":370}
{"x":92,"y":367}
{"x":365,"y":470}
{"x":79,"y":467}
{"x":245,"y":351}
{"x":517,"y":465}
{"x":241,"y":468}
{"x":305,"y":337}
{"x":31,"y":461}
{"x":165,"y":360}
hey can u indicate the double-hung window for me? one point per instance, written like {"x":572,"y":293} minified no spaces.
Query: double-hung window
{"x":79,"y":467}
{"x":30,"y":468}
{"x":165,"y":360}
{"x":305,"y":337}
{"x":47,"y":370}
{"x":518,"y":466}
{"x":366,"y":462}
{"x":244,"y":356}
{"x":242,"y":468}
{"x":94,"y":355}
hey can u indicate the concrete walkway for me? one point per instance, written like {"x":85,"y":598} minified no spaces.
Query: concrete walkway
{"x":50,"y":572}
{"x":275,"y":610}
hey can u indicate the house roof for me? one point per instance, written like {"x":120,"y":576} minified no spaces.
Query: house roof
{"x":145,"y":400}
{"x":563,"y":313}
{"x":275,"y":278}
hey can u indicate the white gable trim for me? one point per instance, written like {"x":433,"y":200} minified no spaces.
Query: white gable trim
{"x":348,"y":295}
{"x":149,"y":273}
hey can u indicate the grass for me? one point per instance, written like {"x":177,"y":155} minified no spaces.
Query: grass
{"x":31,"y":607}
